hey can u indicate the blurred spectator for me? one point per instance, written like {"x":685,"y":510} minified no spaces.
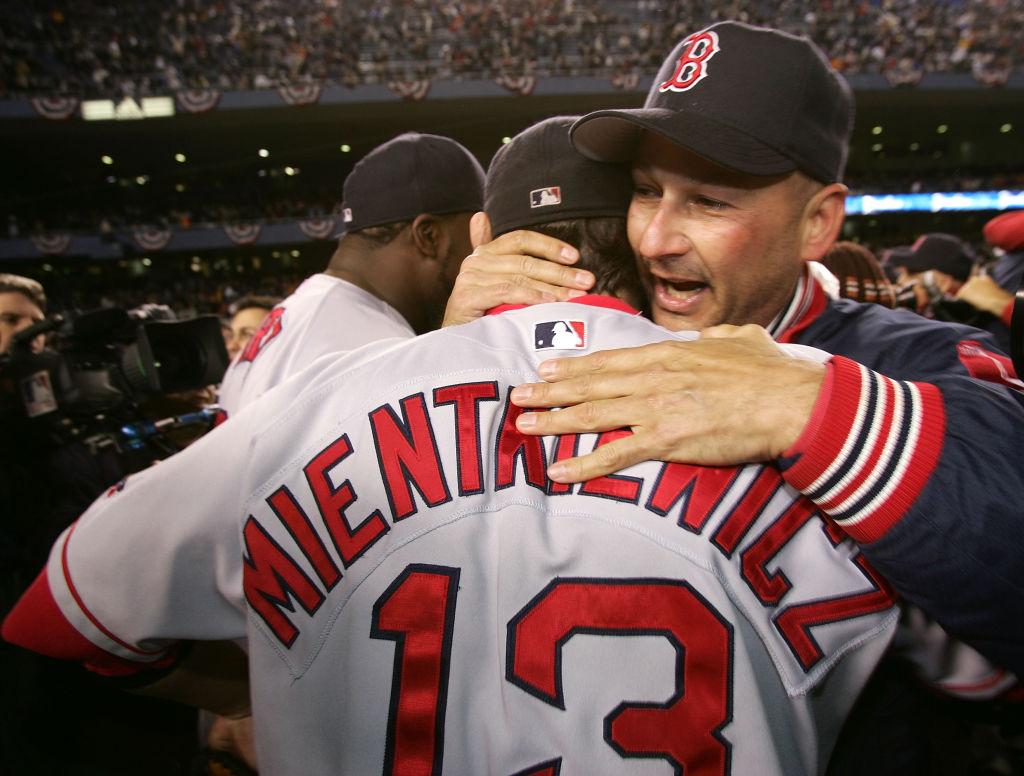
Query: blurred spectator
{"x":931,"y":271}
{"x":993,"y":291}
{"x":859,"y":273}
{"x":934,"y":271}
{"x":1005,"y":233}
{"x":247,"y":314}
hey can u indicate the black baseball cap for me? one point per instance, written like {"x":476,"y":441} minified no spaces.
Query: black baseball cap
{"x":408,"y":175}
{"x":538,"y":177}
{"x":752,"y":99}
{"x":936,"y":250}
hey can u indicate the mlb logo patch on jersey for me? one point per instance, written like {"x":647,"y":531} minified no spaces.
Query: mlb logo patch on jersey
{"x":552,"y":195}
{"x":37,"y":394}
{"x":560,"y":335}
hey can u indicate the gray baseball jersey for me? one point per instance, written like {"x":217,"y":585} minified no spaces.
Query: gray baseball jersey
{"x":324,"y":315}
{"x":417,"y":598}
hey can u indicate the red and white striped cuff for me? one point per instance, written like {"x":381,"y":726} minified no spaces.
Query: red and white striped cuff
{"x":869,"y":448}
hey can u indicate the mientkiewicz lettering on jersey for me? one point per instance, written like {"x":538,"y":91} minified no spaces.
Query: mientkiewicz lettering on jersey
{"x":490,"y":455}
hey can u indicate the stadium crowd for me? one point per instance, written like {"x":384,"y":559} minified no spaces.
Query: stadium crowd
{"x":108,"y":49}
{"x":105,"y":49}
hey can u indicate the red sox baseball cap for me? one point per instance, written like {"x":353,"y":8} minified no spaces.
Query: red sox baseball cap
{"x":408,"y":175}
{"x":1006,"y":231}
{"x":538,"y":177}
{"x":753,"y":99}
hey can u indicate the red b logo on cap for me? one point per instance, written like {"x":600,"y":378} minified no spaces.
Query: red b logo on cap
{"x":692,"y":64}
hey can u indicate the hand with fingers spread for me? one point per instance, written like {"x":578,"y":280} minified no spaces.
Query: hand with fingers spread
{"x":519,"y":267}
{"x":732,"y":396}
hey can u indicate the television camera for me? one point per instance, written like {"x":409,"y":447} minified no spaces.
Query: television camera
{"x":102,"y":373}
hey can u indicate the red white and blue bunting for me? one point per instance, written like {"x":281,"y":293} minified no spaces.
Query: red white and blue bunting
{"x":301,"y":94}
{"x":152,"y":239}
{"x":55,"y":108}
{"x":626,"y":81}
{"x":410,"y":90}
{"x":198,"y":100}
{"x":317,"y":229}
{"x":52,"y":245}
{"x":243,"y":234}
{"x":988,"y":76}
{"x":522,"y":85}
{"x":904,"y":75}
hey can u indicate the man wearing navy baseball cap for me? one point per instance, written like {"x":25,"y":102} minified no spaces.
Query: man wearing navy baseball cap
{"x":756,"y":101}
{"x":737,"y":161}
{"x":406,"y":208}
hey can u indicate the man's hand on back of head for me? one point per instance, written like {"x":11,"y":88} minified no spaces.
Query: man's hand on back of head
{"x":520,"y":267}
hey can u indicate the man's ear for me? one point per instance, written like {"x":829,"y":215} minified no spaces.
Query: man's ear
{"x":822,"y":220}
{"x":428,"y":235}
{"x":479,"y":229}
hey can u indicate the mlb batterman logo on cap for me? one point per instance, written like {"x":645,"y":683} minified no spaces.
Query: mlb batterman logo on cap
{"x":546,"y":197}
{"x":752,"y":99}
{"x":538,"y":177}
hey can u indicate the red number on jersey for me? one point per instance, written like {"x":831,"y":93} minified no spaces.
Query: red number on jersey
{"x":417,"y":612}
{"x":685,"y":729}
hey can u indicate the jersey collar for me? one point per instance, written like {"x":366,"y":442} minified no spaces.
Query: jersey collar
{"x":594,"y":300}
{"x":807,"y":302}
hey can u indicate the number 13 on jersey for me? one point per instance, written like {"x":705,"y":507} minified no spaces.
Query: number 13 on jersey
{"x":418,"y":612}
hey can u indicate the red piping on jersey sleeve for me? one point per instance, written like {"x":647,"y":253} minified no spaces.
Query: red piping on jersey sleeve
{"x":869,"y":448}
{"x":37,"y":623}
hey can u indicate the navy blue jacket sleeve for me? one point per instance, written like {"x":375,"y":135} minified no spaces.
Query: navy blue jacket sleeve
{"x":917,"y":451}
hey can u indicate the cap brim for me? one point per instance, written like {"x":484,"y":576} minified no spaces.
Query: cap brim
{"x":614,"y":136}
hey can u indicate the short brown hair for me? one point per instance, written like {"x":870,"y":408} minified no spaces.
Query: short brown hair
{"x":262,"y":301}
{"x":604,"y":250}
{"x":27,"y":287}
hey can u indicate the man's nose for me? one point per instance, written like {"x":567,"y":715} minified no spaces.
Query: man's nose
{"x":663,"y":235}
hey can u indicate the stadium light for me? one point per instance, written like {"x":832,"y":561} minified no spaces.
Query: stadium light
{"x":128,"y":108}
{"x":936,"y":202}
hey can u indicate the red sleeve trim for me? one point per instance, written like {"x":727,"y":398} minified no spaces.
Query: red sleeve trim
{"x":986,"y":365}
{"x":869,"y":449}
{"x":66,"y":570}
{"x":37,"y":623}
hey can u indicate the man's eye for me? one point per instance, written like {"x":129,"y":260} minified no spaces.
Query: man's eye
{"x":711,"y":204}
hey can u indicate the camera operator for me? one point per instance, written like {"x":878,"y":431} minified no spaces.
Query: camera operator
{"x":79,"y":414}
{"x":22,"y":304}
